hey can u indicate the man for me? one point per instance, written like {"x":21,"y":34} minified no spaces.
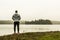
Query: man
{"x":16,"y":17}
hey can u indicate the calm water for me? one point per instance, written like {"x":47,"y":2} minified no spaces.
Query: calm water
{"x":8,"y":29}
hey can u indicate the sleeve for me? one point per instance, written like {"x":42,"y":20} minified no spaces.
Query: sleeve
{"x":13,"y":17}
{"x":19,"y":17}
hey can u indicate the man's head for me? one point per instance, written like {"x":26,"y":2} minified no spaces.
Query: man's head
{"x":16,"y":11}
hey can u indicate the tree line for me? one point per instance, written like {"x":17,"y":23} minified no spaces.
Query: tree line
{"x":40,"y":21}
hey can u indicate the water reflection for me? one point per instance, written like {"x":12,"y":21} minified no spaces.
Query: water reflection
{"x":8,"y":29}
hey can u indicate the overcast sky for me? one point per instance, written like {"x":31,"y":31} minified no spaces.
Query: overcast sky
{"x":30,"y":9}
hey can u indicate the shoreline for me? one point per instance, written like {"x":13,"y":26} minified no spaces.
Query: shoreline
{"x":52,"y":35}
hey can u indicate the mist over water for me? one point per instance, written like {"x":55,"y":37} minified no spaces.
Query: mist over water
{"x":9,"y":29}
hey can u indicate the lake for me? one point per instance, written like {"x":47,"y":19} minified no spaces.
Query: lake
{"x":8,"y":29}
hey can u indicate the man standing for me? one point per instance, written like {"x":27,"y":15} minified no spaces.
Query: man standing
{"x":16,"y":17}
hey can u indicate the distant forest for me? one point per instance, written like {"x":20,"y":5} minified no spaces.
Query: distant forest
{"x":40,"y":21}
{"x":6,"y":22}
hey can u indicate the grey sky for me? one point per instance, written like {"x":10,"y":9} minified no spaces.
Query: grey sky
{"x":30,"y":9}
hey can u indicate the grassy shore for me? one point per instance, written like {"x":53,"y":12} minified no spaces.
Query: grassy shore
{"x":33,"y":36}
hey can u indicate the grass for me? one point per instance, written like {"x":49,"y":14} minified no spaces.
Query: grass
{"x":33,"y":36}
